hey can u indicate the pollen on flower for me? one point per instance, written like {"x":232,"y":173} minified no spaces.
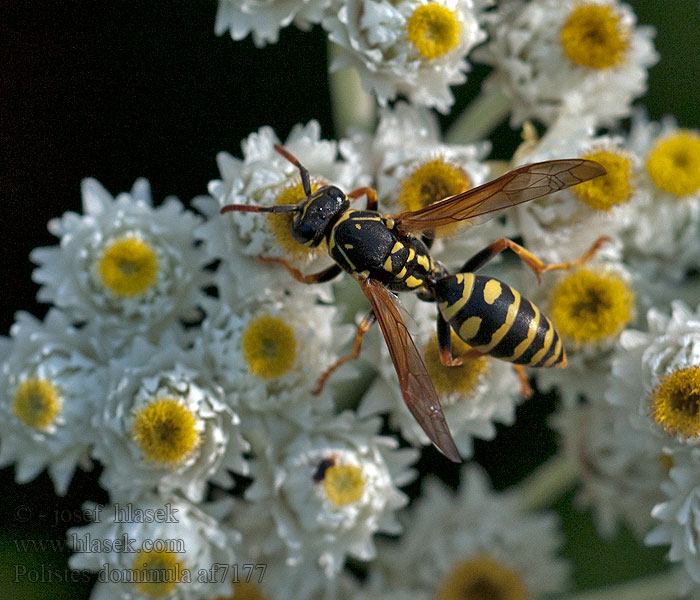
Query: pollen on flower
{"x":482,"y":577}
{"x":37,"y":402}
{"x":589,"y":307}
{"x":430,"y":182}
{"x":344,"y":484}
{"x":128,"y":267}
{"x":281,"y":226}
{"x":675,"y":403}
{"x":666,"y":462}
{"x":166,"y":431}
{"x":594,"y":36}
{"x":433,"y":30}
{"x":674,"y":163}
{"x":462,"y":379}
{"x":244,"y":590}
{"x":156,"y":572}
{"x":613,"y":188}
{"x":269,"y":346}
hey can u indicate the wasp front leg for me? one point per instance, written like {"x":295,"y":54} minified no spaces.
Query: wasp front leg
{"x":364,"y":326}
{"x":320,"y":277}
{"x":372,"y":202}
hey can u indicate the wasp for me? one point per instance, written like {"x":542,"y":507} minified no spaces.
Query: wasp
{"x":387,"y":254}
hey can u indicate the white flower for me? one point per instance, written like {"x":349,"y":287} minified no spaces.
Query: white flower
{"x":679,"y":525}
{"x":157,"y":547}
{"x":589,"y":307}
{"x":656,"y":375}
{"x":474,"y":396}
{"x":412,"y":168}
{"x":302,"y":578}
{"x":165,"y":424}
{"x":131,"y":267}
{"x":474,"y":538}
{"x":554,"y":56}
{"x":411,"y":47}
{"x":327,"y":488}
{"x":51,"y":382}
{"x":264,"y":177}
{"x":663,"y":241}
{"x":265,"y":18}
{"x":562,"y":226}
{"x":621,"y":467}
{"x":269,"y":352}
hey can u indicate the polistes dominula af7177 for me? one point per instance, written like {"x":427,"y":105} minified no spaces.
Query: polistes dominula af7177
{"x":384,"y":255}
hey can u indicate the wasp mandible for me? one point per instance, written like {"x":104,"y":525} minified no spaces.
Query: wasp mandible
{"x":385,"y":255}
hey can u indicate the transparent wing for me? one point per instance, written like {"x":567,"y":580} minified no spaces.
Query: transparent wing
{"x":515,"y":187}
{"x":416,"y":386}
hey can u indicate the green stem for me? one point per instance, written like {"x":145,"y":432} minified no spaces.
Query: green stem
{"x":549,"y":482}
{"x":480,"y":118}
{"x":352,"y":106}
{"x":660,"y":586}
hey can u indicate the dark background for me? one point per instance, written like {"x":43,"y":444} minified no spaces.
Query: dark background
{"x":119,"y":90}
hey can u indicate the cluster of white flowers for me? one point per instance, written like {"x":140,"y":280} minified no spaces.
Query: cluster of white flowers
{"x":191,"y":369}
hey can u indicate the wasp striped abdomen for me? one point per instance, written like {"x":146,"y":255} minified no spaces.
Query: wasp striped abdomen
{"x":495,"y":319}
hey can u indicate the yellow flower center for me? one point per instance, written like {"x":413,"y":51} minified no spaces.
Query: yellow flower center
{"x":674,"y":163}
{"x":588,"y":307}
{"x":666,"y":462}
{"x":344,"y":484}
{"x":166,"y":431}
{"x":602,"y":193}
{"x":460,"y":380}
{"x":433,"y":30}
{"x":128,"y":267}
{"x":156,"y":573}
{"x":594,"y":36}
{"x":244,"y":590}
{"x":281,"y":226}
{"x":430,"y":182}
{"x":675,"y":403}
{"x":482,"y":578}
{"x":269,"y":347}
{"x":37,"y":402}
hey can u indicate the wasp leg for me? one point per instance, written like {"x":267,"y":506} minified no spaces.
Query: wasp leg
{"x":536,"y":264}
{"x":525,"y":388}
{"x":320,"y":277}
{"x":444,"y":337}
{"x":445,"y":350}
{"x":364,"y":326}
{"x":372,"y":202}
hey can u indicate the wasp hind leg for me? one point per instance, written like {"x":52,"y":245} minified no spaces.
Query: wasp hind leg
{"x":444,"y":337}
{"x":320,"y":277}
{"x":363,"y":327}
{"x":537,"y":265}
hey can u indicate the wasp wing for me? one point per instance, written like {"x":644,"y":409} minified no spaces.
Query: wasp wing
{"x":416,"y":386}
{"x":515,"y":187}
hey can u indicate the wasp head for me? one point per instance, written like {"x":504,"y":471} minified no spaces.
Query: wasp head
{"x":317,"y":214}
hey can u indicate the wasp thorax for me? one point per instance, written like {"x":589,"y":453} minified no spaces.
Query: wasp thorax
{"x":317,"y":214}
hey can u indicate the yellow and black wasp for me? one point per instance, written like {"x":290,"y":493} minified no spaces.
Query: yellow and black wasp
{"x":384,"y":255}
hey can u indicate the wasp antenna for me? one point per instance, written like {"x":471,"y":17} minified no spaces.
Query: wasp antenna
{"x":280,"y":208}
{"x":305,"y":181}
